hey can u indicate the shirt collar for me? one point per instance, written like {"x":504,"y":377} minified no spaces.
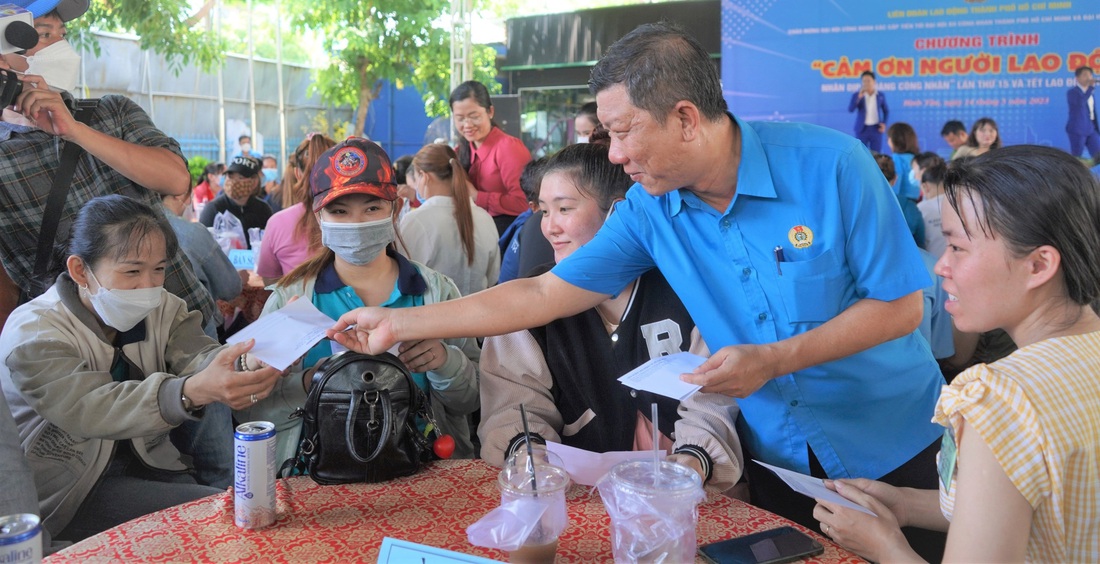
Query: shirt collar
{"x":752,"y":180}
{"x":409,"y":280}
{"x":495,"y":134}
{"x":69,"y":293}
{"x":6,"y":129}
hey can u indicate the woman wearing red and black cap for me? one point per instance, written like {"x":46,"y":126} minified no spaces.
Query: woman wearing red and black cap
{"x":354,"y":190}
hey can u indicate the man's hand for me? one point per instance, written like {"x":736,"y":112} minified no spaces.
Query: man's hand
{"x":882,"y":128}
{"x":365,"y":330}
{"x":45,"y":108}
{"x":736,"y":370}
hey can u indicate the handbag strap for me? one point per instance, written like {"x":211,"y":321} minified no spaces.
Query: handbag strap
{"x":59,"y":191}
{"x":387,"y":425}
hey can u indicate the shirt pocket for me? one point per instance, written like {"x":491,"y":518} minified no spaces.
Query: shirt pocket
{"x":812,"y":289}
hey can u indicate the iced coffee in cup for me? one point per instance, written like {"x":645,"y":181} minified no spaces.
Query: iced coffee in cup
{"x":544,"y":494}
{"x":653,"y":513}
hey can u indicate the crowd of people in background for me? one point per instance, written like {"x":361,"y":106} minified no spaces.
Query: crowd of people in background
{"x":953,"y":300}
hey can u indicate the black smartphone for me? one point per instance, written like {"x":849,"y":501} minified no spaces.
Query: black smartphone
{"x":785,"y":544}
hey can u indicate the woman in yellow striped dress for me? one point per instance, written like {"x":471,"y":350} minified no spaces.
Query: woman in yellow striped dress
{"x":1020,"y":461}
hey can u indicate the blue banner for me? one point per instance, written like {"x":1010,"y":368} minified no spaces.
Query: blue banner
{"x":935,"y":60}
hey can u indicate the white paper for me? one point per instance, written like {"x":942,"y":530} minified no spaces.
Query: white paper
{"x":394,"y":551}
{"x":662,"y":375}
{"x":586,"y":467}
{"x":813,"y":487}
{"x":282,"y":337}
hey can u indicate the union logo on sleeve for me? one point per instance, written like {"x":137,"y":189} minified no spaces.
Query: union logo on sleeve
{"x":800,"y":236}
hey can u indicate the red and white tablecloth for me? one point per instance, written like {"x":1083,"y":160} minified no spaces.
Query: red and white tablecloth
{"x":347,"y":523}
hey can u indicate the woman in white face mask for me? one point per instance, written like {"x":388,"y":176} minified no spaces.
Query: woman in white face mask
{"x":353,"y":190}
{"x":108,"y":376}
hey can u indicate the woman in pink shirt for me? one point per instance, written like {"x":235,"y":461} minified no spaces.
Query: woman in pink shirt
{"x":292,"y":235}
{"x":493,"y":159}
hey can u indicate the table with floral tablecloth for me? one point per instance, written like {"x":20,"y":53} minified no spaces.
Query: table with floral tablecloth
{"x":346,"y":523}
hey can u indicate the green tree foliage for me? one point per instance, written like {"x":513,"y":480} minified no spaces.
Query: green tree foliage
{"x":433,"y":77}
{"x":167,"y":27}
{"x":400,"y":41}
{"x":196,"y":165}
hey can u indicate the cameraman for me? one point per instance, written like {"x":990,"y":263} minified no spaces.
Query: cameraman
{"x":123,"y":154}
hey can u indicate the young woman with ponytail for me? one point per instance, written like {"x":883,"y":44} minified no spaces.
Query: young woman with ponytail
{"x":448,"y":232}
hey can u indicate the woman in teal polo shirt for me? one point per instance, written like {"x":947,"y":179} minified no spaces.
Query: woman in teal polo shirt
{"x":353,"y":193}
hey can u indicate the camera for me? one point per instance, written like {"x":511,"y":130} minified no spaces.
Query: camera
{"x":11,"y":86}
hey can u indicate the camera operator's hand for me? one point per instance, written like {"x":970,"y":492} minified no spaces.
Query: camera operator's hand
{"x":13,"y":61}
{"x":45,"y":107}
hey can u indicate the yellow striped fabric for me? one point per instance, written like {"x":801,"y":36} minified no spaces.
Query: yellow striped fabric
{"x":1039,"y":411}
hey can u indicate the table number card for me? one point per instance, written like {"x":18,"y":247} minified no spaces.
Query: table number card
{"x":396,"y":551}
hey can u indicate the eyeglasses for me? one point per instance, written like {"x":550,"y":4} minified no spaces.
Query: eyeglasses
{"x":472,"y":119}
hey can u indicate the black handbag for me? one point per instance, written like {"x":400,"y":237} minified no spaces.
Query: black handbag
{"x":360,"y":421}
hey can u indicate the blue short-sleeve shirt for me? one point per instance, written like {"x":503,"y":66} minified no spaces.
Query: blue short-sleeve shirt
{"x":335,"y":298}
{"x":819,"y":197}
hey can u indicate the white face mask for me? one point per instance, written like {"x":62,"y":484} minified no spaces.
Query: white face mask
{"x":357,"y":243}
{"x":123,"y":309}
{"x":581,"y":139}
{"x":59,"y":64}
{"x":246,"y":148}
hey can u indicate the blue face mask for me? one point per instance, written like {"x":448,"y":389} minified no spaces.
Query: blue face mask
{"x":270,"y":175}
{"x":913,"y":178}
{"x":420,"y":198}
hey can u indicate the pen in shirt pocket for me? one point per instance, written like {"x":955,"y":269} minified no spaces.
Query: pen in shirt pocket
{"x":778,"y":250}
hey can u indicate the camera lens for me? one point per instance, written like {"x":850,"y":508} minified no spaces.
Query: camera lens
{"x":10,"y":87}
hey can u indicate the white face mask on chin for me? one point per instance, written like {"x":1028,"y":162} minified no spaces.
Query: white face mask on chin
{"x":123,"y":309}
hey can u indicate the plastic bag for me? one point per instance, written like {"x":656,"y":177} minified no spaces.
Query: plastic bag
{"x":527,"y":515}
{"x":652,"y":520}
{"x":228,"y":231}
{"x":508,"y":526}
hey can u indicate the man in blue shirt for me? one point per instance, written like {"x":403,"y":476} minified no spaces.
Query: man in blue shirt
{"x":786,"y":245}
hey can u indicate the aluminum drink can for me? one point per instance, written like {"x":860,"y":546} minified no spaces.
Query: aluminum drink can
{"x":20,"y":539}
{"x":254,"y":475}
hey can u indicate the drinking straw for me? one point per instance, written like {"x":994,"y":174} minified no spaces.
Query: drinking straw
{"x":656,"y":443}
{"x":531,"y":451}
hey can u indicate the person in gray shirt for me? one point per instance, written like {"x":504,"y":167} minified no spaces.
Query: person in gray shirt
{"x":17,"y":493}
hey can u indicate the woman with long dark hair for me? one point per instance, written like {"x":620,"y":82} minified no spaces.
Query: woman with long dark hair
{"x":292,"y":235}
{"x":1020,"y":463}
{"x":448,"y":233}
{"x":984,"y":137}
{"x":353,"y":189}
{"x":492,"y":158}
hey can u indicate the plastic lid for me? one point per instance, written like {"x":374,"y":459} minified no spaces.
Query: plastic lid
{"x":673,"y":479}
